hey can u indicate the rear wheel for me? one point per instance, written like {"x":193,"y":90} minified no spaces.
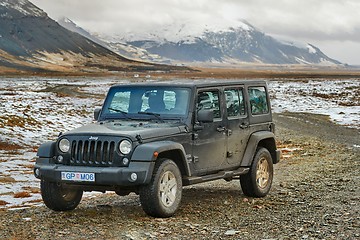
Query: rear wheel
{"x":257,"y":182}
{"x":59,"y":198}
{"x":162,"y":196}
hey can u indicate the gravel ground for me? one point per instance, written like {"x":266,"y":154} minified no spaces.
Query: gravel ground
{"x":315,"y":195}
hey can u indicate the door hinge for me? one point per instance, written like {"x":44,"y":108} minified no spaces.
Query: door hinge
{"x":228,"y":132}
{"x":189,"y":158}
{"x":195,"y":136}
{"x":195,"y":159}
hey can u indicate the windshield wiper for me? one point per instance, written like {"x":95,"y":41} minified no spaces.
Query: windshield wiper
{"x":120,"y":111}
{"x":152,"y":114}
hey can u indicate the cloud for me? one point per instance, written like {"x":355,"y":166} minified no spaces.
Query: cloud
{"x":330,"y":20}
{"x":307,"y":20}
{"x":315,"y":19}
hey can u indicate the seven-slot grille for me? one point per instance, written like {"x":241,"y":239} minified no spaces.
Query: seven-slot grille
{"x":88,"y":152}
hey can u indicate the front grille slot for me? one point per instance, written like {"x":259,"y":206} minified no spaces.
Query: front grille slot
{"x":92,"y":153}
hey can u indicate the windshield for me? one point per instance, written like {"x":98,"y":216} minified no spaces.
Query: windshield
{"x":139,"y":102}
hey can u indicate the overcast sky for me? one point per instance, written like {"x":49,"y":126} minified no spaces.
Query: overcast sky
{"x":331,"y":25}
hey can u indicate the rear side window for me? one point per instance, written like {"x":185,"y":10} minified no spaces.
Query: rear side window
{"x":235,"y":102}
{"x":258,"y":100}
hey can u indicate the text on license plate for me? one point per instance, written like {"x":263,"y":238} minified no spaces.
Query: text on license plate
{"x":79,"y":177}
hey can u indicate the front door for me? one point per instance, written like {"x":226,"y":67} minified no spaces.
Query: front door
{"x":209,"y":143}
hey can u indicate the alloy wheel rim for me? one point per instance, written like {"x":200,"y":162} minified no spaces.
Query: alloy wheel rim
{"x":168,"y":188}
{"x":262,"y":173}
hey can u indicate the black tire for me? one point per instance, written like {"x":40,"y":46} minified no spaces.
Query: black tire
{"x":59,"y":198}
{"x":162,"y":196}
{"x":257,"y":182}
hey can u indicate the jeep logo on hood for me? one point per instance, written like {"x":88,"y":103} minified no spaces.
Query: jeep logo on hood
{"x":93,"y":138}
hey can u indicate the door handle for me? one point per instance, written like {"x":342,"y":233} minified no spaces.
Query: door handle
{"x":220,"y":129}
{"x":243,"y":125}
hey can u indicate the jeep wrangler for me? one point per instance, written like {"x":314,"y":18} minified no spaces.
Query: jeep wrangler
{"x":153,"y":138}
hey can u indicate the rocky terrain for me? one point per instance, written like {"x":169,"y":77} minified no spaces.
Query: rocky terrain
{"x":315,"y":193}
{"x":315,"y":196}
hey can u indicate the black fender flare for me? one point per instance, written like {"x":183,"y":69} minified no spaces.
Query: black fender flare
{"x":145,"y":152}
{"x":252,"y":145}
{"x":46,"y":150}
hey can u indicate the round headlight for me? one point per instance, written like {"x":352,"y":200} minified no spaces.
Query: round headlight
{"x":64,"y":145}
{"x":125,"y":147}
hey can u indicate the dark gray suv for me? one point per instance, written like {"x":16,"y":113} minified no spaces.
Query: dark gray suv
{"x":154,"y":138}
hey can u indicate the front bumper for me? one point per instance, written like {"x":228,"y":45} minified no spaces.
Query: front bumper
{"x":104,"y":176}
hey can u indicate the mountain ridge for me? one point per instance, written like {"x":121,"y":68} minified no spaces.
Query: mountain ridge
{"x":227,"y":42}
{"x":244,"y":43}
{"x":31,"y":41}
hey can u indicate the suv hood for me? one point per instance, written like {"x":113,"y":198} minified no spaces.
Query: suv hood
{"x":130,"y":129}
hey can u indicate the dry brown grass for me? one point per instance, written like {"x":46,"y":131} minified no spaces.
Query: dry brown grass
{"x":3,"y":203}
{"x":32,"y":189}
{"x":30,"y":166}
{"x":65,"y":64}
{"x":7,"y":179}
{"x":18,"y":121}
{"x":9,"y":146}
{"x":293,"y":72}
{"x":22,"y":195}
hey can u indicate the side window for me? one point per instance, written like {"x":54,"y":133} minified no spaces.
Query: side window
{"x":258,"y":100}
{"x":209,"y":100}
{"x":235,"y":102}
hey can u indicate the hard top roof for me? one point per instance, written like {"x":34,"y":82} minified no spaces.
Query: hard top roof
{"x":194,"y":82}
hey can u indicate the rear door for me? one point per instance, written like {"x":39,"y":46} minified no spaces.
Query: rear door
{"x":237,"y":124}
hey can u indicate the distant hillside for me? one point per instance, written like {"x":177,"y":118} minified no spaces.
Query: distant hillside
{"x":126,"y":50}
{"x":31,"y":41}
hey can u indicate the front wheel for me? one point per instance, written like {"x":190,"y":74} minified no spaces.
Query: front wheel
{"x":162,"y":196}
{"x":257,"y":182}
{"x":59,"y":198}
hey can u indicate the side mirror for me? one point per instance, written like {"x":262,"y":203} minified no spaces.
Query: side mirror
{"x":97,"y":112}
{"x":205,"y":116}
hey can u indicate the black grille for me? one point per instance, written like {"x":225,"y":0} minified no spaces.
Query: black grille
{"x":86,"y":152}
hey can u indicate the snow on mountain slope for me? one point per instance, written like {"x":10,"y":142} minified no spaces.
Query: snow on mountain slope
{"x":121,"y":48}
{"x":217,"y":41}
{"x":23,"y":7}
{"x":223,"y":41}
{"x":186,"y":30}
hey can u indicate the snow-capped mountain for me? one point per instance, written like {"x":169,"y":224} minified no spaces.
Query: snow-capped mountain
{"x":219,"y":42}
{"x":214,"y":42}
{"x":121,"y":48}
{"x":225,"y":41}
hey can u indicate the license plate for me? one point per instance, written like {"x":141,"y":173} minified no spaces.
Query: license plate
{"x":78,"y":177}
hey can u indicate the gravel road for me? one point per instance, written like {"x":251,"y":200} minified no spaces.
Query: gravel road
{"x":315,"y":195}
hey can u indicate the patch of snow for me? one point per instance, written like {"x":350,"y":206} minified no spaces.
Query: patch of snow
{"x":186,"y":30}
{"x":311,"y":49}
{"x":24,"y":7}
{"x":330,"y":98}
{"x":44,"y":114}
{"x":301,"y":61}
